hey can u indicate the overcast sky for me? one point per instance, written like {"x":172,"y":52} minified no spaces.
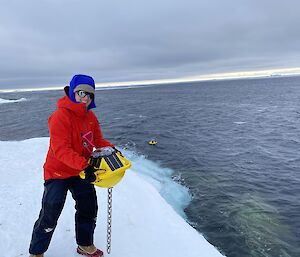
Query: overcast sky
{"x":45,"y":42}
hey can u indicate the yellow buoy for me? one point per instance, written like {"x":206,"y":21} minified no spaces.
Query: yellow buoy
{"x":152,"y":142}
{"x":109,"y":169}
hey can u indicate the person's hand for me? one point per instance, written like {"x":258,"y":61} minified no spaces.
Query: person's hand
{"x":89,"y":172}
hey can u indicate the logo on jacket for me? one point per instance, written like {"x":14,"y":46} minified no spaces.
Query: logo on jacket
{"x":88,"y":141}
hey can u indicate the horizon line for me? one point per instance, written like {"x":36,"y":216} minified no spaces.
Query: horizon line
{"x":205,"y":77}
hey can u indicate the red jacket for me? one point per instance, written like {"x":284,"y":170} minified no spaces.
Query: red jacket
{"x":69,"y":151}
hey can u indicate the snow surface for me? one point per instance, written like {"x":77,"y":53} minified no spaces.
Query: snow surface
{"x":143,"y":223}
{"x":6,"y":101}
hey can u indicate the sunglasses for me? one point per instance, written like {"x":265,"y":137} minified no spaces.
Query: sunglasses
{"x":82,"y":94}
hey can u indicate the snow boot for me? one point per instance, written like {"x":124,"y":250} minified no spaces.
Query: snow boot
{"x":89,"y":251}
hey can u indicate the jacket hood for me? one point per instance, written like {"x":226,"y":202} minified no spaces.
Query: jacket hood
{"x":66,"y":103}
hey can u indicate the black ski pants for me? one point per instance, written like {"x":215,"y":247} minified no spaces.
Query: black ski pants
{"x":55,"y":192}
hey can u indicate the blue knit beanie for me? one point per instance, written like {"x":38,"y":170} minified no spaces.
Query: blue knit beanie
{"x":85,"y":83}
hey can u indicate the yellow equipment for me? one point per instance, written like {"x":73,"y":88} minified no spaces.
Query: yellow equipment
{"x":152,"y":142}
{"x":110,"y":169}
{"x":110,"y":166}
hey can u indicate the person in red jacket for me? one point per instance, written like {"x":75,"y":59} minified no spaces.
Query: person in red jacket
{"x":74,"y":133}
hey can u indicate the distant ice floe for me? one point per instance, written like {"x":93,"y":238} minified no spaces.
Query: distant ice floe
{"x":239,"y":122}
{"x":6,"y":101}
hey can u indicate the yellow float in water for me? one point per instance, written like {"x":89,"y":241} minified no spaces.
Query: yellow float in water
{"x":152,"y":142}
{"x":109,"y":169}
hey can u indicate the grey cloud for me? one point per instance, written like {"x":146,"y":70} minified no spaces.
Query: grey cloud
{"x":45,"y":42}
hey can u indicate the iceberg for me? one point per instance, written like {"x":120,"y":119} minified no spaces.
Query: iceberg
{"x":6,"y":101}
{"x":143,"y":223}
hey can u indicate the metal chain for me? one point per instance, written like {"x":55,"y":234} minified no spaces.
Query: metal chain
{"x":109,"y":217}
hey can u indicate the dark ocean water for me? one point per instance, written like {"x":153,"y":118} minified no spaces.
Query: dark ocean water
{"x":234,"y":144}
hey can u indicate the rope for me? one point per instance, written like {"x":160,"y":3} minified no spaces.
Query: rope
{"x":109,"y":217}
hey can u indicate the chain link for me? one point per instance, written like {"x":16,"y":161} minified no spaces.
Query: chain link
{"x":109,"y":217}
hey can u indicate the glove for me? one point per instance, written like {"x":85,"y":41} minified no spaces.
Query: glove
{"x":89,"y":172}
